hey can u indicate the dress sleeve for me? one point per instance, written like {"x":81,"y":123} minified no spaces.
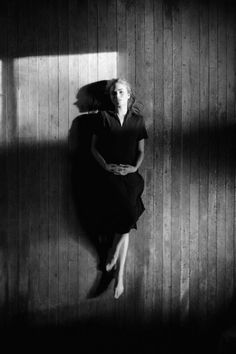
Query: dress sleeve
{"x":142,"y":134}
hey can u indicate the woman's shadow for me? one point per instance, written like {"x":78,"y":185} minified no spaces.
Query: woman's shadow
{"x":85,"y":191}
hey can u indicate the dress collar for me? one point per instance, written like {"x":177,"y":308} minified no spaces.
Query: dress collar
{"x":115,"y":115}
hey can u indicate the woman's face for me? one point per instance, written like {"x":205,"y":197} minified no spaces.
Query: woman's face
{"x":119,"y":95}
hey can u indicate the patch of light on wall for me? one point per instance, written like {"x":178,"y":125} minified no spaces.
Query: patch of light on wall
{"x":46,"y":85}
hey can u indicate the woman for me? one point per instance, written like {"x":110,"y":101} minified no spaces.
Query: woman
{"x":118,"y":147}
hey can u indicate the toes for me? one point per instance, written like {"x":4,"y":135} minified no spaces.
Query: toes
{"x":118,"y":292}
{"x":110,"y":265}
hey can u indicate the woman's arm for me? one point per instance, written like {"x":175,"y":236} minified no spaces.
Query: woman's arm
{"x":140,"y":153}
{"x":131,"y":169}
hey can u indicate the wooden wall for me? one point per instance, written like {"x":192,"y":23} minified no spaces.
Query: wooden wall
{"x":180,"y":58}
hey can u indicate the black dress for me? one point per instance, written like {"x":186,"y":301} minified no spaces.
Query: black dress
{"x":120,"y":204}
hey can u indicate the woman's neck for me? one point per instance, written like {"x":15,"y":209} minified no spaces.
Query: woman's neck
{"x":121,"y":111}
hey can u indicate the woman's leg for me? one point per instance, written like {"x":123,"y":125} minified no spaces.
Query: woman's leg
{"x":115,"y":251}
{"x":119,"y":285}
{"x":118,"y":256}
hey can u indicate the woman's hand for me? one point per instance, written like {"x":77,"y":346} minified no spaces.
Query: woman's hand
{"x":113,"y":168}
{"x":121,"y":169}
{"x":126,"y":169}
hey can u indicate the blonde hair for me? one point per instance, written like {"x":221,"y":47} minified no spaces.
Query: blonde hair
{"x":110,"y":85}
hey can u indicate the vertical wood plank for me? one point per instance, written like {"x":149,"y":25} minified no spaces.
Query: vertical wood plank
{"x":112,"y":40}
{"x":121,"y":39}
{"x":139,"y":77}
{"x":34,"y":185}
{"x":167,"y":141}
{"x":221,"y":115}
{"x":130,"y":18}
{"x":73,"y":88}
{"x":139,"y":48}
{"x":194,"y":156}
{"x":212,"y":159}
{"x":12,"y":161}
{"x":63,"y":116}
{"x":43,"y":133}
{"x":131,"y":265}
{"x":92,"y":41}
{"x":102,"y":40}
{"x":185,"y":164}
{"x":158,"y":156}
{"x":176,"y":163}
{"x":24,"y":158}
{"x":230,"y":170}
{"x":53,"y":172}
{"x":203,"y":157}
{"x":148,"y":96}
{"x":83,"y":258}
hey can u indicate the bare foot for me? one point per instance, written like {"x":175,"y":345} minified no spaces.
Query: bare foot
{"x":119,"y":289}
{"x":110,"y":264}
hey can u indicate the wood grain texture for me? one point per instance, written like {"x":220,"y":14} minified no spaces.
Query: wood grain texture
{"x":176,"y":162}
{"x":180,"y":59}
{"x":12,"y":164}
{"x":221,"y":196}
{"x":212,"y":159}
{"x":44,"y":153}
{"x":230,"y":113}
{"x":158,"y":157}
{"x":203,"y":157}
{"x":185,"y":162}
{"x":167,"y":144}
{"x":73,"y":244}
{"x":63,"y":106}
{"x":53,"y":171}
{"x":194,"y":158}
{"x":34,"y":190}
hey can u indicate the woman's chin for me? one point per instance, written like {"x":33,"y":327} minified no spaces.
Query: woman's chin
{"x":120,"y":104}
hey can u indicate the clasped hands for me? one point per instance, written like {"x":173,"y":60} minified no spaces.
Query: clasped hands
{"x":120,"y":169}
